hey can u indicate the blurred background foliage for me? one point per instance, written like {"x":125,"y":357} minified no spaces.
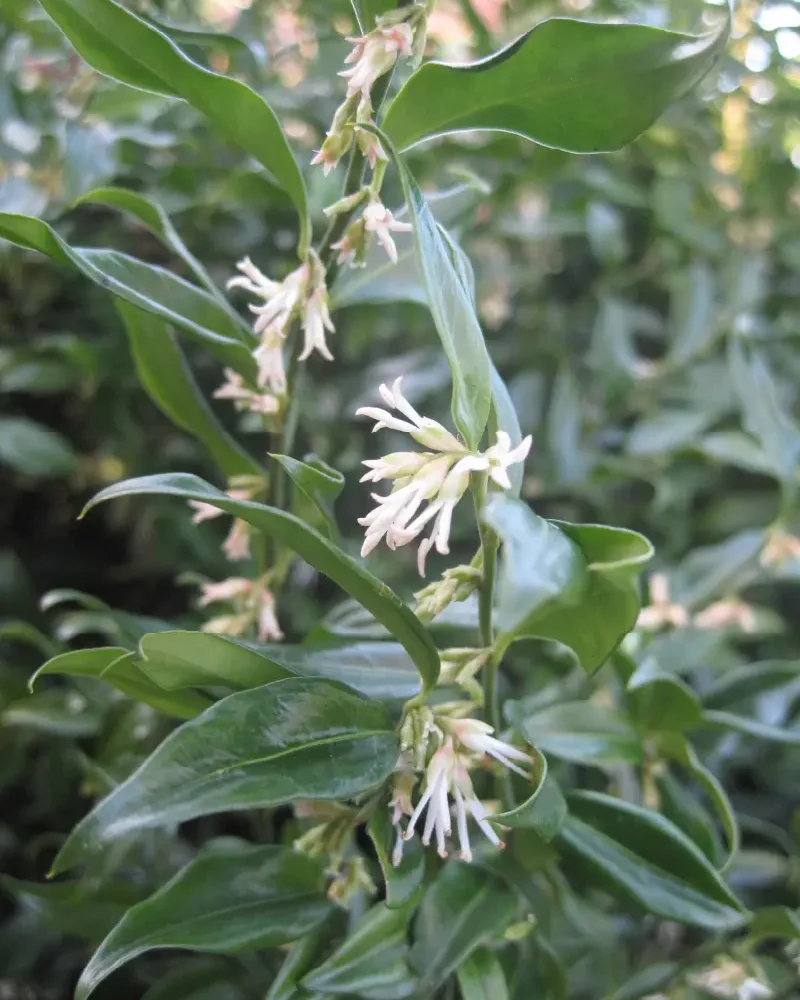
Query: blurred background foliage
{"x":644,"y":308}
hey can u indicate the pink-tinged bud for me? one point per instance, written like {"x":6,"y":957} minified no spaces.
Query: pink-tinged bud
{"x":334,"y":147}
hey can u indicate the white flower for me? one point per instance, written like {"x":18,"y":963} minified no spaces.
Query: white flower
{"x":440,"y":476}
{"x":268,"y":629}
{"x":237,"y":545}
{"x":234,"y":388}
{"x":373,"y":55}
{"x":226,"y":590}
{"x":661,"y":610}
{"x":370,"y":146}
{"x":303,"y":294}
{"x":780,"y":548}
{"x":501,"y":455}
{"x":446,"y":776}
{"x":379,"y":220}
{"x":316,"y":320}
{"x":477,"y":737}
{"x":722,"y":614}
{"x":254,"y":604}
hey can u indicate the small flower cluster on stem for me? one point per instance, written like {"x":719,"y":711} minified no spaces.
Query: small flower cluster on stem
{"x":438,"y":477}
{"x":462,"y":743}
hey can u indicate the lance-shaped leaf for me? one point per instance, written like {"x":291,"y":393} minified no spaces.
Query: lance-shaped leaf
{"x":317,"y":486}
{"x":481,"y":977}
{"x":226,"y":901}
{"x":568,"y":84}
{"x":144,"y":285}
{"x":168,"y":380}
{"x":370,"y":592}
{"x":118,"y":667}
{"x":372,"y":962}
{"x":464,"y":908}
{"x":545,"y":808}
{"x":179,"y":659}
{"x":451,"y":304}
{"x":293,"y":739}
{"x":123,"y":46}
{"x":638,"y":855}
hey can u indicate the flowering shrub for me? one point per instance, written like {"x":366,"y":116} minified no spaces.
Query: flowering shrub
{"x":416,"y":828}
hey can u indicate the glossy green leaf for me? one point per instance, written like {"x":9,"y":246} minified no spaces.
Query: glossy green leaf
{"x":153,"y":216}
{"x":789,"y":735}
{"x":453,"y":311}
{"x":300,"y":958}
{"x":151,"y":288}
{"x":765,"y":414}
{"x":372,"y":962}
{"x":584,"y":733}
{"x":575,"y":583}
{"x":541,"y":566}
{"x":381,"y":670}
{"x":680,"y":750}
{"x":292,"y":739}
{"x":714,"y":570}
{"x":683,"y":808}
{"x":118,"y":667}
{"x":544,"y":810}
{"x":572,"y":85}
{"x":181,"y":659}
{"x":660,"y":701}
{"x":404,"y":880}
{"x":167,"y":378}
{"x":225,"y":901}
{"x":370,"y":592}
{"x":320,"y":485}
{"x":30,"y":448}
{"x":749,"y":681}
{"x":637,"y":855}
{"x":123,"y":46}
{"x":481,"y":977}
{"x":465,"y":907}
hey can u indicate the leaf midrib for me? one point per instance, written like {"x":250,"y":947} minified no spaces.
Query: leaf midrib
{"x":324,"y":741}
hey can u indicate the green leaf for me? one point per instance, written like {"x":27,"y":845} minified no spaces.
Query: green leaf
{"x":574,"y":583}
{"x":647,"y":982}
{"x":766,"y":416}
{"x":320,"y":485}
{"x":380,"y":670}
{"x":749,"y":681}
{"x":584,"y":733}
{"x":224,"y":902}
{"x":144,"y":285}
{"x":465,"y":907}
{"x":660,"y":701}
{"x":572,"y":85}
{"x":638,"y":855}
{"x":541,"y":567}
{"x":292,"y":739}
{"x":153,"y":216}
{"x":402,"y":881}
{"x":751,"y":727}
{"x":774,"y":922}
{"x":120,"y":45}
{"x":453,"y":310}
{"x":370,"y":592}
{"x":372,"y":962}
{"x":27,"y":447}
{"x":118,"y":667}
{"x":168,"y":380}
{"x":480,"y":977}
{"x":544,"y":810}
{"x":181,"y":659}
{"x":299,"y":959}
{"x":680,"y":750}
{"x":86,"y":910}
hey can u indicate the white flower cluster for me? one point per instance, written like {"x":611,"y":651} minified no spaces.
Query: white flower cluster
{"x":463,"y":743}
{"x":254,"y":604}
{"x":439,"y":477}
{"x":302,"y":294}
